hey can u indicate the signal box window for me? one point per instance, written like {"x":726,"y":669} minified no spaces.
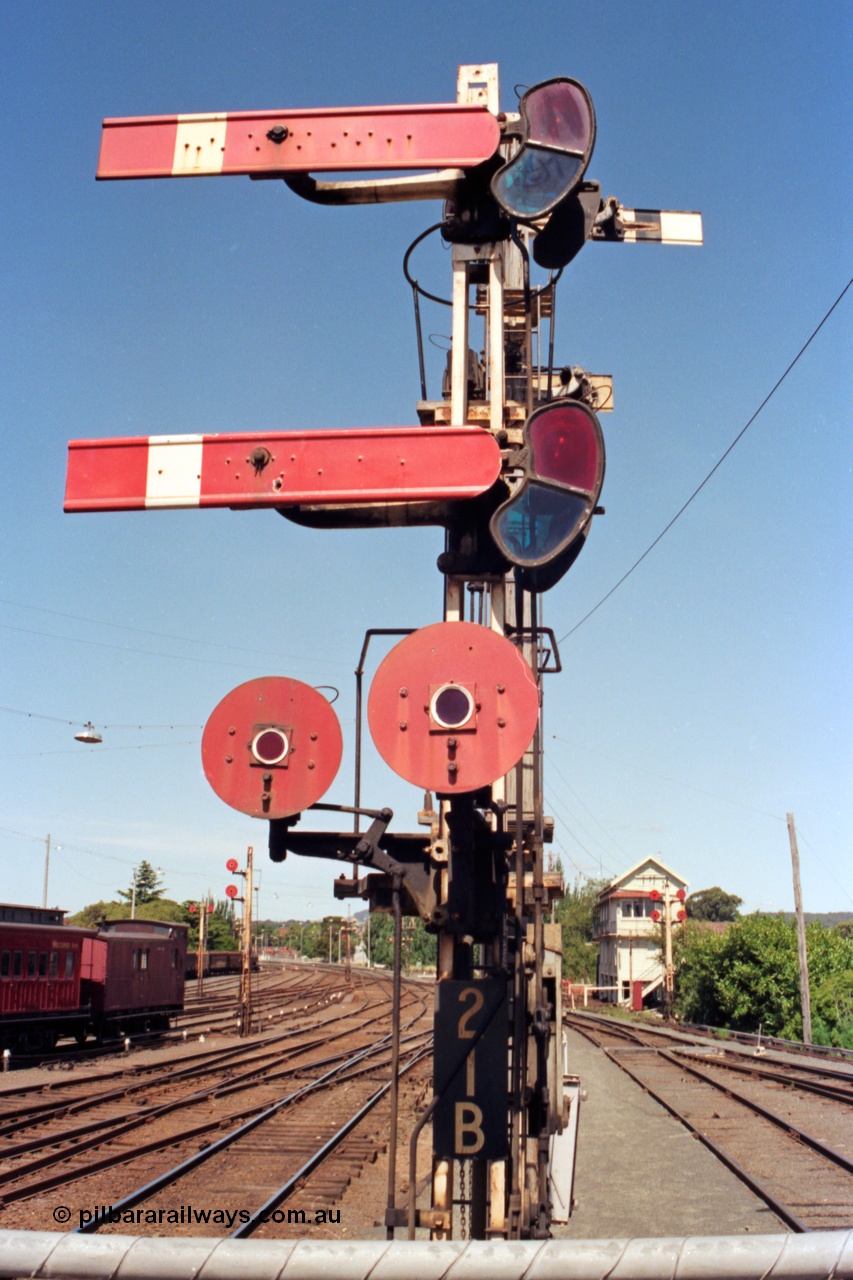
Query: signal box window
{"x":5,"y":964}
{"x":69,"y":964}
{"x":42,"y":964}
{"x":17,"y":964}
{"x":54,"y":964}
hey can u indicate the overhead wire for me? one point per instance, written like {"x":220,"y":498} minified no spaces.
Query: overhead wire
{"x":715,"y":468}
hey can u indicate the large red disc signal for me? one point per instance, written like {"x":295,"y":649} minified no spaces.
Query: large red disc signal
{"x":272,"y":747}
{"x":453,"y":707}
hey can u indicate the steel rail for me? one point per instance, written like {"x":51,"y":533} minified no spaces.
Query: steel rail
{"x":258,"y":1217}
{"x":172,"y":1175}
{"x":828,"y":1153}
{"x":217,"y":1090}
{"x":57,"y":1157}
{"x":784,"y":1073}
{"x":781,"y":1210}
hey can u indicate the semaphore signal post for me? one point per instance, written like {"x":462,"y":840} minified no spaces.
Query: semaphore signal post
{"x":509,"y":461}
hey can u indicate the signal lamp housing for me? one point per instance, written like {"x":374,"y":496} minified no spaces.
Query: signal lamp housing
{"x":558,"y":136}
{"x":681,"y":917}
{"x":542,"y":527}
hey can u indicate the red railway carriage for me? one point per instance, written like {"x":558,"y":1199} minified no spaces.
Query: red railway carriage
{"x":58,"y":980}
{"x":136,"y":979}
{"x":42,"y":968}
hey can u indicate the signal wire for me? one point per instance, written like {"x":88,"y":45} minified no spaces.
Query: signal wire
{"x":715,"y":467}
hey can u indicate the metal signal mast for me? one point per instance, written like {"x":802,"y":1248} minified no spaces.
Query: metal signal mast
{"x":510,"y":462}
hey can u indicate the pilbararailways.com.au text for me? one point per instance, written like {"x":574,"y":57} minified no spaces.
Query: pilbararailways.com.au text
{"x":188,"y":1215}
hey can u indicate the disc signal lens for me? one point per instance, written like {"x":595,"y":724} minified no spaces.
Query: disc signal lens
{"x":542,"y":527}
{"x":231,"y":865}
{"x":231,"y":891}
{"x":270,"y":746}
{"x":452,"y":706}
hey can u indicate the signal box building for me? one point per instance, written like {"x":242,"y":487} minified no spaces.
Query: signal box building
{"x":627,"y":923}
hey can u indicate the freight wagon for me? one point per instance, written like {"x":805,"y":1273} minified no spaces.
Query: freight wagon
{"x":218,"y":962}
{"x":59,"y":980}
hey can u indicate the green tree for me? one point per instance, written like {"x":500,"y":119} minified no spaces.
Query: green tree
{"x":159,"y":909}
{"x":148,"y":885}
{"x":713,"y":904}
{"x":575,"y":914}
{"x":749,"y":976}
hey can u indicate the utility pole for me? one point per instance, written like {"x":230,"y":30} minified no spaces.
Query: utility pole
{"x":46,"y":869}
{"x":133,"y":896}
{"x":805,"y":998}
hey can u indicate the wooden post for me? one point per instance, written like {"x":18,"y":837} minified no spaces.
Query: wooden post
{"x":805,"y":999}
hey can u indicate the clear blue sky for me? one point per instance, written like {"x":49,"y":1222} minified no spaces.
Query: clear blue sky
{"x":709,"y":696}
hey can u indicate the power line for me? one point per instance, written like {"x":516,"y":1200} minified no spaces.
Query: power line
{"x":165,"y":635}
{"x":36,"y":715}
{"x":715,"y":467}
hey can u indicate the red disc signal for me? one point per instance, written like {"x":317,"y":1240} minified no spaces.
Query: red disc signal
{"x":192,"y":908}
{"x":271,"y":748}
{"x":654,"y":894}
{"x":681,"y":917}
{"x":232,"y":864}
{"x":655,"y":916}
{"x":231,"y":891}
{"x":453,"y":707}
{"x":681,"y":895}
{"x":210,"y":908}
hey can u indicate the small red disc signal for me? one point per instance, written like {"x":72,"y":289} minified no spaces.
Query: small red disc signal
{"x":232,"y":865}
{"x":192,"y":908}
{"x":682,"y":916}
{"x":271,"y":748}
{"x":231,"y":891}
{"x":654,"y":894}
{"x":655,"y":916}
{"x":453,"y":707}
{"x":681,"y":895}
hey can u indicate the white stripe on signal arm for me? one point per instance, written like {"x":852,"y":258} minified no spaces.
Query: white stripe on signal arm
{"x":199,"y":145}
{"x":174,"y":471}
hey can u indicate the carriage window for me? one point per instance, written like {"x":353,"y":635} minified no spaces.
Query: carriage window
{"x":5,"y":964}
{"x":42,"y":964}
{"x":54,"y":964}
{"x":143,"y":959}
{"x":32,"y":964}
{"x":17,"y":963}
{"x":135,"y":959}
{"x":69,"y":964}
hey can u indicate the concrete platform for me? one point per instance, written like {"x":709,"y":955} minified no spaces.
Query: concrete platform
{"x":641,"y":1173}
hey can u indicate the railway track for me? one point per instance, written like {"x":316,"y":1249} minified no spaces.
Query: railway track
{"x":786,"y":1133}
{"x":103,"y":1137}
